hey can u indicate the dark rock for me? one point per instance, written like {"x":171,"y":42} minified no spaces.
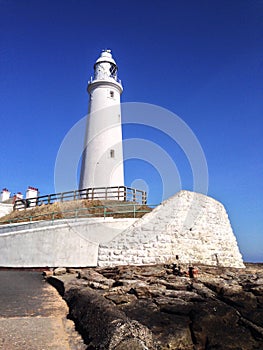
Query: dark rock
{"x":184,"y":295}
{"x":202,"y":290}
{"x":131,"y":283}
{"x":174,"y":306}
{"x":102,"y":325}
{"x":96,"y":278}
{"x":247,"y":304}
{"x":152,"y":271}
{"x":130,"y":344}
{"x":141,"y":292}
{"x":156,"y":290}
{"x":169,"y":331}
{"x":120,"y":298}
{"x":47,"y":273}
{"x":149,"y":307}
{"x":179,"y":283}
{"x":73,"y":270}
{"x":217,"y":326}
{"x":59,"y":271}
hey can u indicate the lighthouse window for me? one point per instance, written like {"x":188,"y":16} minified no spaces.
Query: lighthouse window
{"x":112,"y":153}
{"x":113,"y":71}
{"x":111,"y":93}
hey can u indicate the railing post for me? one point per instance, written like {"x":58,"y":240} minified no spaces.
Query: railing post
{"x":134,"y":195}
{"x":134,"y":211}
{"x":104,"y":212}
{"x":144,"y":198}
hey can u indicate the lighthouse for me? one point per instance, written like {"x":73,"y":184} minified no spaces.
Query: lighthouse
{"x":102,"y":158}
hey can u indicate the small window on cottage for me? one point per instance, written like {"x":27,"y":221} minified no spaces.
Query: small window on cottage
{"x":112,"y":153}
{"x":111,"y":93}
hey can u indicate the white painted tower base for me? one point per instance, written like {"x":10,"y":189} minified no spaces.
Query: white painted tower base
{"x":102,"y":159}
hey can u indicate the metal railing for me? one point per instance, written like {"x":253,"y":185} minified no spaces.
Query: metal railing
{"x":104,"y":76}
{"x":119,"y":193}
{"x":126,"y":210}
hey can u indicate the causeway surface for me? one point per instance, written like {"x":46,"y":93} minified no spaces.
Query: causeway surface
{"x":33,"y":315}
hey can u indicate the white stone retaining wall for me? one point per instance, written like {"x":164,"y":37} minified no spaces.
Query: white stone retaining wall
{"x":191,"y":225}
{"x":68,"y":243}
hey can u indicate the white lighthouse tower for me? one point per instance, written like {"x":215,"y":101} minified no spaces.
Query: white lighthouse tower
{"x":102,"y":159}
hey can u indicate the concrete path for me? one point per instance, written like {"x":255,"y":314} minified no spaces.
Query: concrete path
{"x":33,"y":315}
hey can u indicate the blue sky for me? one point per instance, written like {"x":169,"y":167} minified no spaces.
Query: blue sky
{"x":202,"y":60}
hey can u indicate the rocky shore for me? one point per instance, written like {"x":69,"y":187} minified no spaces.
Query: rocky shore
{"x":163,"y":307}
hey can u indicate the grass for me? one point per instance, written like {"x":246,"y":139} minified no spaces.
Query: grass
{"x":76,"y":208}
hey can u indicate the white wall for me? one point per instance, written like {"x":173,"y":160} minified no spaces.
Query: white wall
{"x":60,"y":243}
{"x":5,"y":209}
{"x":4,"y":195}
{"x":191,"y":225}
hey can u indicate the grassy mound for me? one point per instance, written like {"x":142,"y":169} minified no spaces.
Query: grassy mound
{"x":77,"y":208}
